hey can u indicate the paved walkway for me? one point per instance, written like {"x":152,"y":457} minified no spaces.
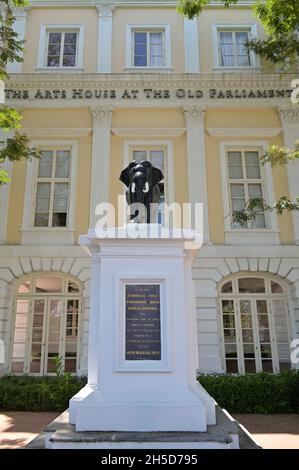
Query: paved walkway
{"x":270,"y":431}
{"x":279,"y":431}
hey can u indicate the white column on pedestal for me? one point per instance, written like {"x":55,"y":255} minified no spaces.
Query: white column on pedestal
{"x":191,"y":46}
{"x":290,"y":123}
{"x":20,"y":27}
{"x":104,"y":38}
{"x":102,"y":116}
{"x":197,"y":178}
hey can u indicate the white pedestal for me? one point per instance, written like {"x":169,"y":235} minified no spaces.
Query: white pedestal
{"x":158,"y":394}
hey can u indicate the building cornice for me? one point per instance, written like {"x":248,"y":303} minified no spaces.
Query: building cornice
{"x":126,"y":4}
{"x":244,"y":132}
{"x":57,"y":132}
{"x":152,"y":132}
{"x":227,"y":80}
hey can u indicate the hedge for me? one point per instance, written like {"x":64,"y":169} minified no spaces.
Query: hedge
{"x":24,"y":393}
{"x":255,"y":393}
{"x":250,"y":393}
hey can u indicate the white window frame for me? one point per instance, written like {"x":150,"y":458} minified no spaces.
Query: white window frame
{"x":129,"y":55}
{"x":231,"y":27}
{"x":53,"y":180}
{"x":269,"y":297}
{"x":31,"y":296}
{"x":56,"y":235}
{"x":236,"y":236}
{"x":45,"y":29}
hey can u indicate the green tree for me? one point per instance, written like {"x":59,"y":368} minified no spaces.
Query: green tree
{"x":280,"y":19}
{"x":16,"y":147}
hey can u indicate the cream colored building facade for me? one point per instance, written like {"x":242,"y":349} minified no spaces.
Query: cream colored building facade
{"x":103,"y":83}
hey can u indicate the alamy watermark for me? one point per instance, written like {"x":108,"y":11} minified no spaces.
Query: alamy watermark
{"x":164,"y":222}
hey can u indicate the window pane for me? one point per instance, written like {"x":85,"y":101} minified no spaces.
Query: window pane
{"x":157,"y":158}
{"x":235,"y":165}
{"x":140,"y":49}
{"x":231,"y":366}
{"x":45,"y":164}
{"x":251,"y":285}
{"x":18,"y":351}
{"x":245,"y":306}
{"x":248,"y":350}
{"x":43,"y":197}
{"x":22,"y":306}
{"x":247,"y":335}
{"x":246,"y":321}
{"x":62,"y":164}
{"x":228,"y":321}
{"x":227,"y":306}
{"x":261,"y":306}
{"x":229,"y":335}
{"x":276,"y":288}
{"x":227,"y":288}
{"x":237,"y":190}
{"x":60,"y":205}
{"x":73,"y":287}
{"x":252,"y":162}
{"x":266,"y":350}
{"x":24,"y":288}
{"x":69,"y":50}
{"x":264,"y":336}
{"x":230,"y":350}
{"x":263,"y":321}
{"x":139,"y":155}
{"x":156,"y":49}
{"x":238,"y":204}
{"x":226,"y":49}
{"x":54,"y":46}
{"x":243,"y":57}
{"x":48,"y":285}
{"x":255,"y":191}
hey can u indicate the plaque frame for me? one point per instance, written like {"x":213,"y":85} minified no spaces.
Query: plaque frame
{"x":121,"y":363}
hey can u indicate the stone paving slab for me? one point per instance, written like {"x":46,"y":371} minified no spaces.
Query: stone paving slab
{"x":281,"y":431}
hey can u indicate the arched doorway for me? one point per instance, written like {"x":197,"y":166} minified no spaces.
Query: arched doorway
{"x":254,"y":324}
{"x":46,"y":324}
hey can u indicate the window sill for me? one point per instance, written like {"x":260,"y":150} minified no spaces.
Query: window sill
{"x":149,"y":69}
{"x":47,"y":236}
{"x":59,"y":69}
{"x":252,"y":237}
{"x":236,"y":69}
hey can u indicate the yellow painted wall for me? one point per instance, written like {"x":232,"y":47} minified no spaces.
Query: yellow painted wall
{"x":55,"y":16}
{"x":16,"y":203}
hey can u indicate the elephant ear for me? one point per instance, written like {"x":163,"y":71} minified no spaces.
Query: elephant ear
{"x":125,"y":174}
{"x":157,"y":176}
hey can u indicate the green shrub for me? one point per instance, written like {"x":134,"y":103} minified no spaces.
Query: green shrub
{"x":255,"y":393}
{"x":24,"y":393}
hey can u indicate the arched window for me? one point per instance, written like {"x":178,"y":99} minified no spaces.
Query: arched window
{"x":46,"y":324}
{"x":254,"y":319}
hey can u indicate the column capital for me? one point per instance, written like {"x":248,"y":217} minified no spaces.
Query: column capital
{"x":194,"y":115}
{"x":20,"y":12}
{"x":102,"y":115}
{"x":289,"y":115}
{"x":105,"y":11}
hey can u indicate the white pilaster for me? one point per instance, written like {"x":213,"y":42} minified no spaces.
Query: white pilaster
{"x":104,"y":38}
{"x":20,"y":27}
{"x":290,"y":123}
{"x":102,"y":116}
{"x":197,"y":178}
{"x":191,"y":46}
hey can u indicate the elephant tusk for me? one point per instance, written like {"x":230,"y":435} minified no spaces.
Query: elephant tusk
{"x":133,"y":188}
{"x":146,"y":188}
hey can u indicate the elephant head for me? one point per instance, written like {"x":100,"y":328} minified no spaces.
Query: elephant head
{"x":142,"y":179}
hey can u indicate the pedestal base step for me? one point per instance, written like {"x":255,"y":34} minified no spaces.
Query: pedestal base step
{"x":223,"y":435}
